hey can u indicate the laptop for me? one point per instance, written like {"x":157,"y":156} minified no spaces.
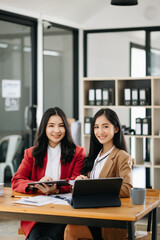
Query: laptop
{"x":101,"y":192}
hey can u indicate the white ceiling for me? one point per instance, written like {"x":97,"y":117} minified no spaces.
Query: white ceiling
{"x":77,"y":11}
{"x":88,"y":14}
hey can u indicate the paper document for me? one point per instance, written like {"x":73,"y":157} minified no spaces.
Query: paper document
{"x":64,"y":199}
{"x":71,"y":182}
{"x":37,"y":200}
{"x":59,"y":201}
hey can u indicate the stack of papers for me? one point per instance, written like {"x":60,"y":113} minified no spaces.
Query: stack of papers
{"x":1,"y":189}
{"x":36,"y":201}
{"x":40,"y":200}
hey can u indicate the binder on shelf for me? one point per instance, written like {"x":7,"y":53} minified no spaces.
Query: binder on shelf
{"x":105,"y":96}
{"x":87,"y":125}
{"x":146,"y":126}
{"x":134,"y":96}
{"x":98,"y":97}
{"x":91,"y":96}
{"x":138,"y":126}
{"x":127,"y":96}
{"x":111,"y":96}
{"x":148,"y":96}
{"x":144,"y":96}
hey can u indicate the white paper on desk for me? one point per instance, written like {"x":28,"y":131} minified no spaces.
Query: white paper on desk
{"x":71,"y":182}
{"x":62,"y":198}
{"x":37,"y":200}
{"x":60,"y":202}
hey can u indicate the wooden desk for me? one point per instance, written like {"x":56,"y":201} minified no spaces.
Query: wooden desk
{"x":122,"y":217}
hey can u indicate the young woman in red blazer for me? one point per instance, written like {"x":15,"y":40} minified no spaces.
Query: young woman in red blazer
{"x":54,"y":156}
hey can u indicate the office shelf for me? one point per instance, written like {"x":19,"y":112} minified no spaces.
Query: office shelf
{"x":145,"y":149}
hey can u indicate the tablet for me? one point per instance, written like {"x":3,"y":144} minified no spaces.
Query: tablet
{"x":101,"y":192}
{"x":50,"y":183}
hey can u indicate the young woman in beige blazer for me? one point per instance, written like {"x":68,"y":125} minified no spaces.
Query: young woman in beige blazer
{"x":107,"y":157}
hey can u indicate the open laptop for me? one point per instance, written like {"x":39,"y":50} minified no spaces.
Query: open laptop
{"x":101,"y":192}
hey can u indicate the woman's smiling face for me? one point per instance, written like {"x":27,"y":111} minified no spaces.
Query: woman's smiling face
{"x":55,"y":130}
{"x":104,"y":131}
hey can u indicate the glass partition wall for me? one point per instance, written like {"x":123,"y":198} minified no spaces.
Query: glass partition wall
{"x":111,"y":49}
{"x":15,"y":75}
{"x":155,"y":53}
{"x":18,"y":93}
{"x":60,"y":53}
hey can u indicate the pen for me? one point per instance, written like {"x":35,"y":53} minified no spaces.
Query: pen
{"x":16,"y":196}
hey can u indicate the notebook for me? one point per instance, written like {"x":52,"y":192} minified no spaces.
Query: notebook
{"x":101,"y":192}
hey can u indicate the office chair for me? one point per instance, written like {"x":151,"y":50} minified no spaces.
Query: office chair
{"x":8,"y":148}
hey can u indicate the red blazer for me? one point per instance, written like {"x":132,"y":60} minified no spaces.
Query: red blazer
{"x":28,"y":173}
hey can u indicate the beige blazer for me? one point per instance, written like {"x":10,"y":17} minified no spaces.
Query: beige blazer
{"x":118,"y":164}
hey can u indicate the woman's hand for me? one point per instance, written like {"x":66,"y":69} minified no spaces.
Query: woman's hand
{"x":81,"y":177}
{"x":47,"y":189}
{"x":43,"y":179}
{"x":43,"y":187}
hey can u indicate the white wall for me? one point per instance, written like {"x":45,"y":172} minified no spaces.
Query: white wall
{"x":108,"y":53}
{"x":146,"y":13}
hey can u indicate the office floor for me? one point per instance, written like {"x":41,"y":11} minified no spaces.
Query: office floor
{"x":9,"y":230}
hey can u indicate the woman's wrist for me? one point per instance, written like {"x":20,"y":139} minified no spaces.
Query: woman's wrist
{"x":29,"y":188}
{"x":71,"y":188}
{"x":57,"y":190}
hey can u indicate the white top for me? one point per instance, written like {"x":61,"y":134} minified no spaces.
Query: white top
{"x":53,"y":168}
{"x":99,"y":163}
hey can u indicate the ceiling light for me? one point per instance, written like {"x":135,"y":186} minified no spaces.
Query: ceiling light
{"x":3,"y":45}
{"x":124,"y":2}
{"x":27,"y":49}
{"x":51,"y":53}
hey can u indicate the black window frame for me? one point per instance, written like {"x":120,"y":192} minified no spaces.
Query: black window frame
{"x":147,"y":30}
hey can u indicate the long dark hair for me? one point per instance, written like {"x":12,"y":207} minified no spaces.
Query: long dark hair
{"x":96,"y":146}
{"x":41,"y":140}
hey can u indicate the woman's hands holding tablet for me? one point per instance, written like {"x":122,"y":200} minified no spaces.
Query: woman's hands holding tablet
{"x":43,"y":187}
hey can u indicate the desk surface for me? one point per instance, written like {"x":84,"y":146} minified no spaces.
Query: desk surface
{"x":51,"y":212}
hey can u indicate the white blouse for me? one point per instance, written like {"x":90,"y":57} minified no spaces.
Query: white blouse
{"x":53,"y":168}
{"x":99,"y":163}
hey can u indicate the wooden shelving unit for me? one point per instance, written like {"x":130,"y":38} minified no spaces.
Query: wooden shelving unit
{"x":136,"y":143}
